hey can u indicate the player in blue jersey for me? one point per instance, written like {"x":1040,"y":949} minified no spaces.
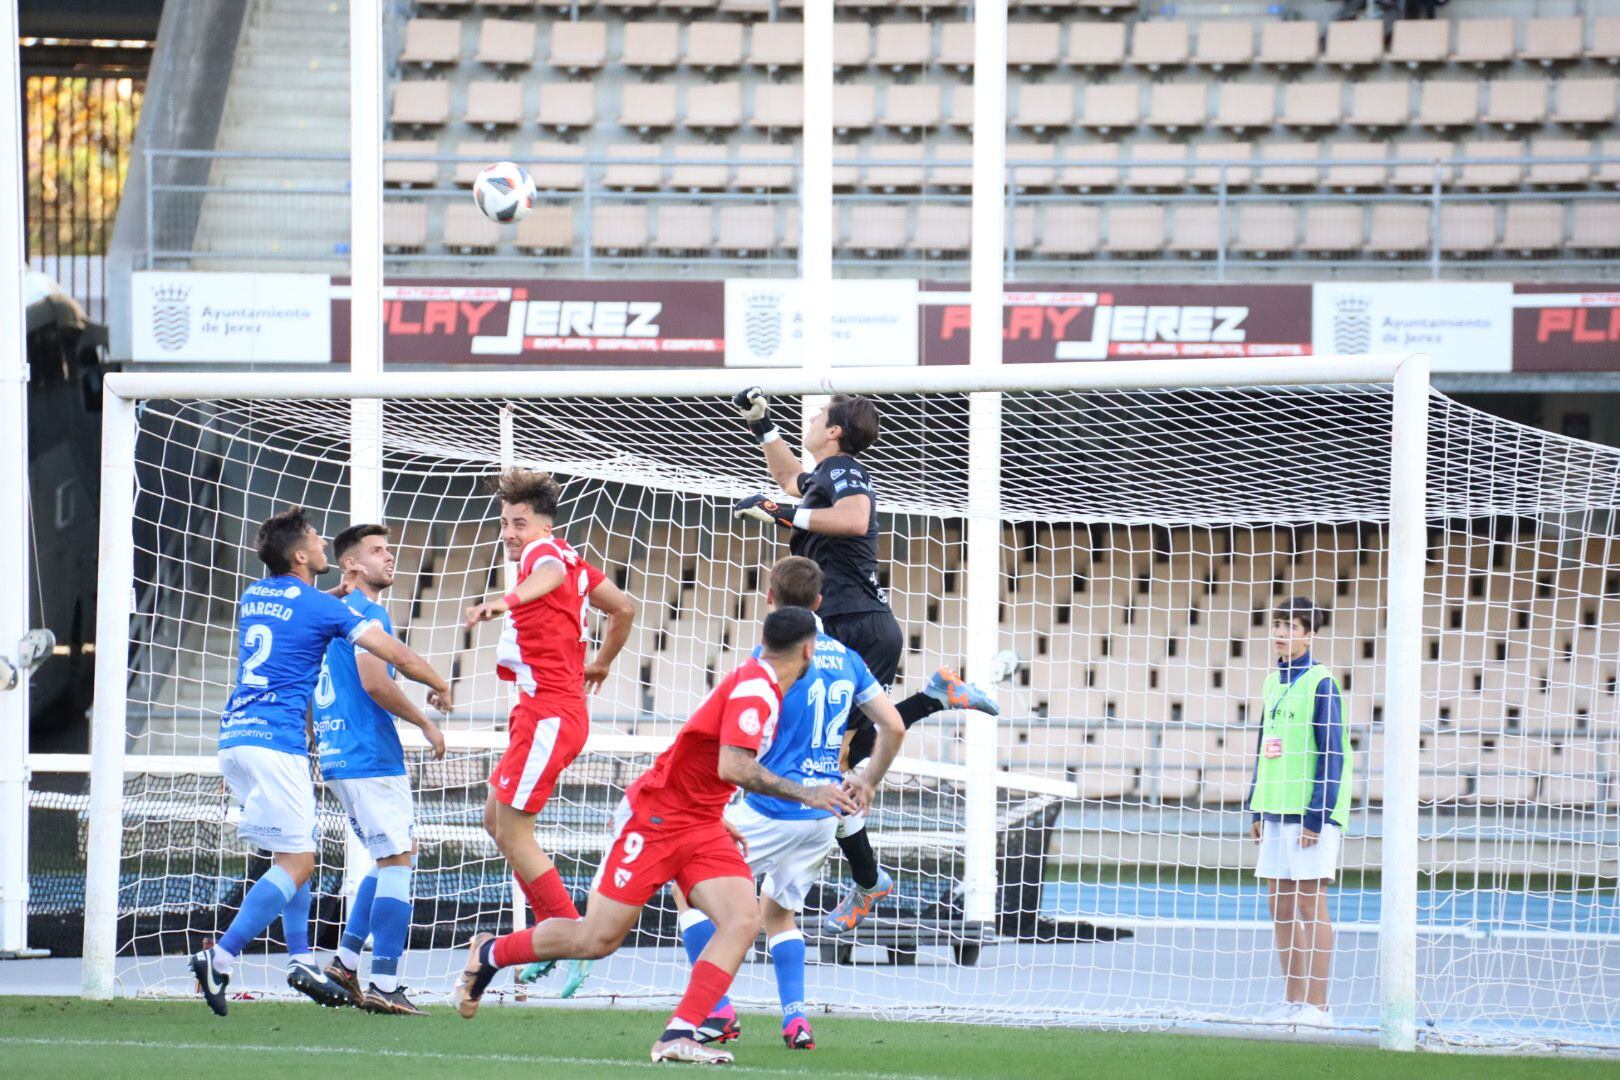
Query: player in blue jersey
{"x":284,"y":624}
{"x":786,"y":842}
{"x":363,"y":764}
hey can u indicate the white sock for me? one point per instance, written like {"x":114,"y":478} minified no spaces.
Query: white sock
{"x":348,"y":958}
{"x":223,"y":961}
{"x":386,"y":983}
{"x":301,"y":958}
{"x":677,"y":1024}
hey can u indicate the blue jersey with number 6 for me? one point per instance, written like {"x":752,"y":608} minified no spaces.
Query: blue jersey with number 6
{"x":354,"y":736}
{"x":810,"y":726}
{"x":282,"y":629}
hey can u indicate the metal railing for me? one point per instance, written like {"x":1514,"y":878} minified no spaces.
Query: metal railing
{"x":232,"y":213}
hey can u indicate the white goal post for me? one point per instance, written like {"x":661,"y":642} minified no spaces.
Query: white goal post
{"x":1405,"y":378}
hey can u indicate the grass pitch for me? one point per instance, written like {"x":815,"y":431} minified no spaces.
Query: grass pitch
{"x":63,"y":1038}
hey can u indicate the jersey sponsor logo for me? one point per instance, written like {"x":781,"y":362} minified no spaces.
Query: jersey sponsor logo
{"x":841,"y":485}
{"x":749,"y":721}
{"x":621,"y":877}
{"x":291,"y":591}
{"x":836,"y":473}
{"x":506,"y":781}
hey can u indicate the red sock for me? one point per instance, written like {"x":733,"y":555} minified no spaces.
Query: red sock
{"x":514,"y":948}
{"x":708,"y":985}
{"x":553,"y":895}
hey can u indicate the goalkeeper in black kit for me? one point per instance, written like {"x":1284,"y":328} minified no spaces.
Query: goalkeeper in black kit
{"x":835,"y":524}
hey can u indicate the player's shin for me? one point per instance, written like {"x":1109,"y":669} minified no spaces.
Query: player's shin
{"x":787,"y":959}
{"x":390,"y":925}
{"x":295,"y":925}
{"x":857,"y":849}
{"x":696,"y":931}
{"x":358,"y":928}
{"x":264,"y":901}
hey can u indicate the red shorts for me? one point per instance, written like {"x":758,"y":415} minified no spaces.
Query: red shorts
{"x":643,"y":858}
{"x":547,"y":734}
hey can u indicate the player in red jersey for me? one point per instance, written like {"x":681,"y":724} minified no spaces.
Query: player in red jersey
{"x":669,"y":828}
{"x":542,"y":649}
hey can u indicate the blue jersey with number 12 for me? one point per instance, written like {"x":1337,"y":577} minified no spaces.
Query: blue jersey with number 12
{"x":810,"y":726}
{"x":354,"y":736}
{"x":282,"y":629}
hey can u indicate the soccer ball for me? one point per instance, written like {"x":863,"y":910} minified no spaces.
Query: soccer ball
{"x":504,"y":192}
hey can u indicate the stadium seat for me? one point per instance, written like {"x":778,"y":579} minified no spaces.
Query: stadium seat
{"x":1032,"y":46}
{"x":713,"y":107}
{"x":1044,"y":107}
{"x":1313,"y":104}
{"x":1332,"y":229}
{"x":431,"y":41}
{"x":1023,"y":231}
{"x":744,"y":229}
{"x":1482,"y":177}
{"x":1246,"y":106}
{"x":629,"y":5}
{"x":711,"y":170}
{"x":889,"y":179}
{"x":1467,"y":228}
{"x":618,"y":229}
{"x":1094,"y":46}
{"x":1266,"y":230}
{"x":1595,"y":226}
{"x":1445,"y":104}
{"x":505,"y":43}
{"x":1416,"y":165}
{"x":1177,"y":107}
{"x":1358,"y":43}
{"x":953,"y":169}
{"x":1156,"y":45}
{"x":1516,"y":103}
{"x":1069,"y":231}
{"x":1399,"y":229}
{"x":1482,"y":42}
{"x":567,"y":106}
{"x":746,"y":8}
{"x":467,"y":230}
{"x":1585,"y":101}
{"x":422,"y":103}
{"x":1087,"y":168}
{"x":474,"y":156}
{"x":901,"y":47}
{"x":778,"y":106}
{"x":1289,"y":44}
{"x":1605,"y":39}
{"x":852,"y":45}
{"x":1377,"y":105}
{"x":621,"y":174}
{"x":492,"y":105}
{"x":1196,"y":230}
{"x":1111,"y":107}
{"x":1287,"y":177}
{"x":943,"y":230}
{"x":405,"y":226}
{"x":1545,"y":173}
{"x":961,"y":107}
{"x":1135,"y":230}
{"x":651,"y":46}
{"x":1026,"y":177}
{"x":1416,"y":42}
{"x":1224,"y":43}
{"x":714,"y":46}
{"x":559,"y":175}
{"x":854,"y":107}
{"x":647,"y":108}
{"x":1356,"y":177}
{"x":956,"y":47}
{"x":1236,"y":177}
{"x":876,"y":230}
{"x":578,"y":47}
{"x":776,"y":46}
{"x":683,"y":229}
{"x":1531,"y":229}
{"x":911,"y":108}
{"x":1554,"y":40}
{"x":762,"y":178}
{"x":407,"y":174}
{"x":1144,"y":177}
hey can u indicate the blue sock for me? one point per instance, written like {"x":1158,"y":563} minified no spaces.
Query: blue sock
{"x":787,"y":957}
{"x":390,"y":924}
{"x":358,"y":927}
{"x":295,"y":923}
{"x":260,"y":907}
{"x":696,"y":930}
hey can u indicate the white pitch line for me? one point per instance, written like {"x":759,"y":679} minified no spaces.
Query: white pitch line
{"x":433,"y":1055}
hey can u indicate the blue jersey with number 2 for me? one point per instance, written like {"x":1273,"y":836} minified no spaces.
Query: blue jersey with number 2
{"x":810,"y":727}
{"x":282,"y":629}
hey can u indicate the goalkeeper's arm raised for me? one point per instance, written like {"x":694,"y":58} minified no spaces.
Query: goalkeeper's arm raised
{"x":755,"y":409}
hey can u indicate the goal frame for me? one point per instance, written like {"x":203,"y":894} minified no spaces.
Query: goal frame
{"x":1406,"y":374}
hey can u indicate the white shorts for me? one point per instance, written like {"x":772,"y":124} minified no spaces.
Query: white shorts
{"x":788,"y":852}
{"x":1282,"y":858}
{"x":379,"y":809}
{"x":276,"y":795}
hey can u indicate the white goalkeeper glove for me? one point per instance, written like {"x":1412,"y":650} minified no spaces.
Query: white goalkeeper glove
{"x":755,"y":408}
{"x":766,"y":509}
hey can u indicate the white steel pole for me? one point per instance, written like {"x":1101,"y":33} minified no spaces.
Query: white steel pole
{"x":365,"y":304}
{"x":815,"y":200}
{"x":14,"y":504}
{"x":1403,"y":702}
{"x":508,"y":421}
{"x":115,"y":603}
{"x":984,"y":440}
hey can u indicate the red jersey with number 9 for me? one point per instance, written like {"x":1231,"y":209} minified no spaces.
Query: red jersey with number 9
{"x":542,"y":646}
{"x":683,"y":787}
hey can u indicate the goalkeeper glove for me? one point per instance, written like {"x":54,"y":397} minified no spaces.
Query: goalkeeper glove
{"x":756,"y":408}
{"x":763,"y":508}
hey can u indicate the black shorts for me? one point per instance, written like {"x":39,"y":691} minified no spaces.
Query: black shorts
{"x":873,"y":634}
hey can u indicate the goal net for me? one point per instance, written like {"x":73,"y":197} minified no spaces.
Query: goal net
{"x":1145,"y":536}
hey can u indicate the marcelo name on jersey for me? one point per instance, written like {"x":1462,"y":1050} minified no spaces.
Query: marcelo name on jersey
{"x":810,"y":730}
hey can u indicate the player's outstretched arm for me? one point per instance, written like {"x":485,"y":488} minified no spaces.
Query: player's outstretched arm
{"x":891,"y":732}
{"x":741,"y":767}
{"x":620,"y":610}
{"x":388,"y":648}
{"x":755,"y":409}
{"x":385,"y":691}
{"x":546,"y":577}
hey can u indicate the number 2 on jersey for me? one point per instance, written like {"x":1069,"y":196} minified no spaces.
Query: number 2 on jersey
{"x":829,"y":730}
{"x":259,"y":639}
